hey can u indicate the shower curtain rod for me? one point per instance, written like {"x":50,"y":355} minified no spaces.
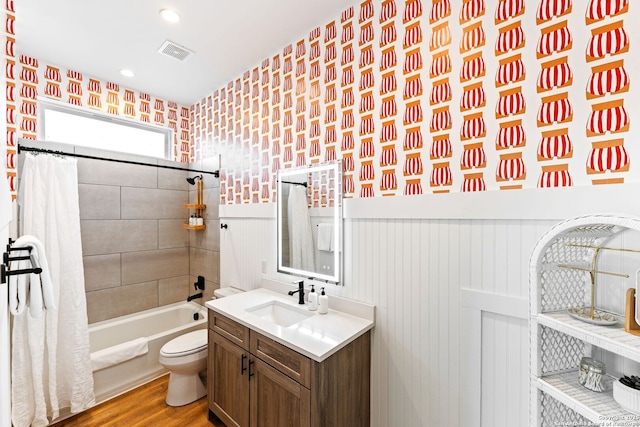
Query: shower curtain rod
{"x":130,"y":162}
{"x":304,"y":184}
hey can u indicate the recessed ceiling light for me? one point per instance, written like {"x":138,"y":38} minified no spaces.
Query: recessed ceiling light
{"x":170,"y":15}
{"x":127,"y":73}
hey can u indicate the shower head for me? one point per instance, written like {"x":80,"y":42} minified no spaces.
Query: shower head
{"x":192,"y":181}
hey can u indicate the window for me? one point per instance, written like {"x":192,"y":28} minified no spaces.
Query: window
{"x":77,"y":126}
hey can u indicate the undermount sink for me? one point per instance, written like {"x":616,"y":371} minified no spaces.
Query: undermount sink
{"x":279,"y":313}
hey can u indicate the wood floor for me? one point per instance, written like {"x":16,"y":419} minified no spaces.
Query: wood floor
{"x":143,"y":407}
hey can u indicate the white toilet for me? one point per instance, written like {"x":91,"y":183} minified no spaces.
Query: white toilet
{"x":185,"y":357}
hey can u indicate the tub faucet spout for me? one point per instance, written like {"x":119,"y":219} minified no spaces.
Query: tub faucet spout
{"x":300,"y":291}
{"x":192,"y":297}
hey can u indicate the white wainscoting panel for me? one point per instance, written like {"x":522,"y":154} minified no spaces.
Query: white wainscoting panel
{"x":244,"y":245}
{"x":415,"y":272}
{"x":505,"y":371}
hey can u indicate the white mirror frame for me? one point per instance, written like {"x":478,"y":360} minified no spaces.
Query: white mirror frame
{"x":283,"y":175}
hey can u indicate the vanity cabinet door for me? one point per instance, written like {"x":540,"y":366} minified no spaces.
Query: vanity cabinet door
{"x":277,"y":400}
{"x":228,"y":384}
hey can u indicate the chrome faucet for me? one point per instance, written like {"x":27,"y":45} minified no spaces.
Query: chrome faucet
{"x":300,"y":291}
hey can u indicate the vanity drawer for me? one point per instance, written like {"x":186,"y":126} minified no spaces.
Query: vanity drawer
{"x":230,"y":329}
{"x":287,"y":361}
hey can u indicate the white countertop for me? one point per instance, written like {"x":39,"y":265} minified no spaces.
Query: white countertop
{"x":317,"y":337}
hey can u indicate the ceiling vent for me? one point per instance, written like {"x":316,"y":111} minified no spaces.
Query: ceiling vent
{"x":174,"y":51}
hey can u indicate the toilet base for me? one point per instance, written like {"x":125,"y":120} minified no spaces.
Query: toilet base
{"x":184,"y":389}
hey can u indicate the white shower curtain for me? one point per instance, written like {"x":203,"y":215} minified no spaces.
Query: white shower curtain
{"x":300,"y":233}
{"x":51,"y":360}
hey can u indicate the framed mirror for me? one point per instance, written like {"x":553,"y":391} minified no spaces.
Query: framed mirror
{"x":309,"y":221}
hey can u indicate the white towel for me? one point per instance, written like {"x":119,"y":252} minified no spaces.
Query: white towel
{"x":17,"y":285}
{"x":325,"y":236}
{"x":119,"y":353}
{"x":34,"y":290}
{"x":42,"y":297}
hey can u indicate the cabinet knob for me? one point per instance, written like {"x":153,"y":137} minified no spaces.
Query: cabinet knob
{"x":223,"y":226}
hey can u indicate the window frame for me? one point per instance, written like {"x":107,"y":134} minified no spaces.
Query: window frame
{"x":45,"y":104}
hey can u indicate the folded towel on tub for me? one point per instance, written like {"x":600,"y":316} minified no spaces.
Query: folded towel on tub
{"x":119,"y":353}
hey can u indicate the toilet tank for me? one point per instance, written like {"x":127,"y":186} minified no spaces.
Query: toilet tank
{"x":225,"y":292}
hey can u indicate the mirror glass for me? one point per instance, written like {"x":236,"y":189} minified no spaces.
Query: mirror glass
{"x":309,"y":218}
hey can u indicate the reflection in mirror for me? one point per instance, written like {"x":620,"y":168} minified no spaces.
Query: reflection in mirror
{"x":309,"y":221}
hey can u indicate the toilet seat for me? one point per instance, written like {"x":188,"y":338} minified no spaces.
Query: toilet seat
{"x":184,"y":345}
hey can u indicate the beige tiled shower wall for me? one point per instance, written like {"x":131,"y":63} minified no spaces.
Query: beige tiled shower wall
{"x":204,"y":245}
{"x":137,"y":254}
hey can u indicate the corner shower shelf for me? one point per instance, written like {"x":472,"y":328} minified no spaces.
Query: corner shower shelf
{"x":198,"y":208}
{"x":194,"y":227}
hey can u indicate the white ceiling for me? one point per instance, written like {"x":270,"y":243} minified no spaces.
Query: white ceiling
{"x":99,"y":37}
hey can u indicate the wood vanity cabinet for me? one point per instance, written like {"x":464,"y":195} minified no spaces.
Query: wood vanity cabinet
{"x":254,"y":381}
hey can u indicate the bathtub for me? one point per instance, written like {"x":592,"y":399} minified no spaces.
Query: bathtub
{"x":158,"y":325}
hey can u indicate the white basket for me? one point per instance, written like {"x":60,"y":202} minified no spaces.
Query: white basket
{"x":627,"y":397}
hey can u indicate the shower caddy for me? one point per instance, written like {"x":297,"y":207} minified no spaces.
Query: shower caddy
{"x":198,"y":206}
{"x":558,"y":340}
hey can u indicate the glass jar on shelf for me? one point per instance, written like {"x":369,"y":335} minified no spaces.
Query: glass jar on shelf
{"x":592,"y":374}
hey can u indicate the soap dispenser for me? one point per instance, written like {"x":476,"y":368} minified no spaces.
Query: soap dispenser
{"x":313,"y":299}
{"x":323,"y":303}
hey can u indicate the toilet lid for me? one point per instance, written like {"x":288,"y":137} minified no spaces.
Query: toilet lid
{"x":188,"y":343}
